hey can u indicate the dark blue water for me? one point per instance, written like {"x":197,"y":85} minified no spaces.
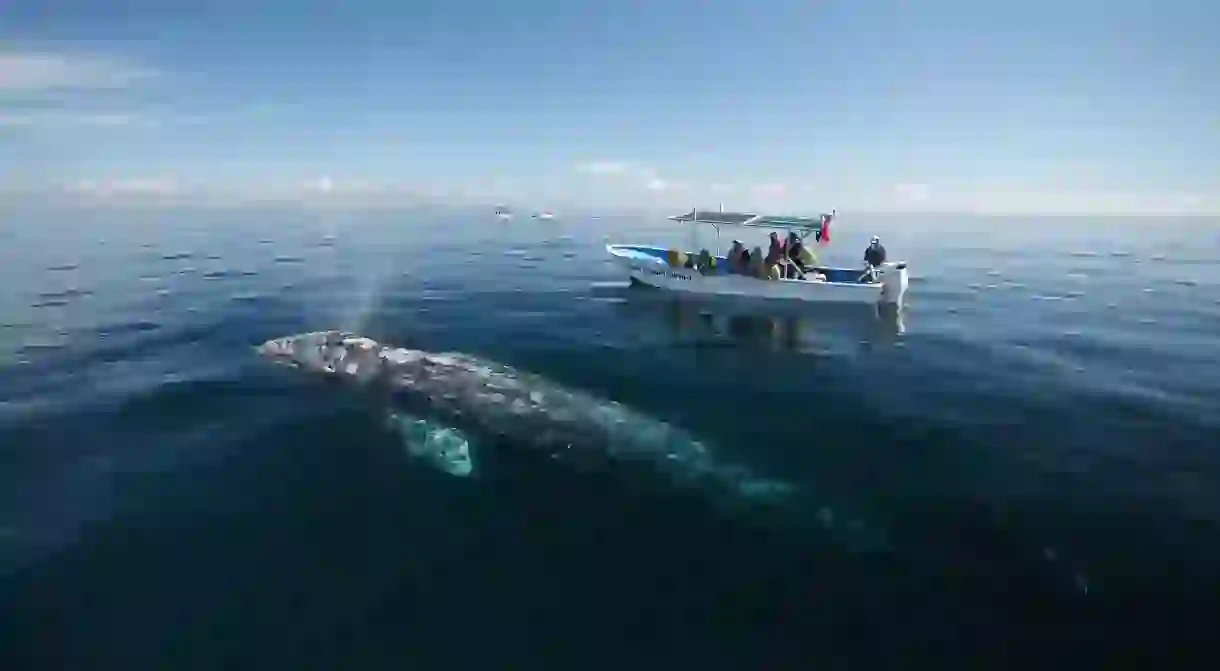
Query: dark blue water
{"x":1021,"y":471}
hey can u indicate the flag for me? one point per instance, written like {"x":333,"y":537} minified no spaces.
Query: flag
{"x":824,"y":233}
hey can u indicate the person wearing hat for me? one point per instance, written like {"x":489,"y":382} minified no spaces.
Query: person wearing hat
{"x":800,"y":259}
{"x":777,"y":256}
{"x":874,"y":256}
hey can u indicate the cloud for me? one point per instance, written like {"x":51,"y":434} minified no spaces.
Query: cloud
{"x":1022,"y":201}
{"x":770,"y":189}
{"x":54,"y":121}
{"x":604,"y":168}
{"x":641,"y":176}
{"x":648,"y":179}
{"x":126,"y":186}
{"x":320,"y":185}
{"x":911,"y":193}
{"x":41,"y":72}
{"x":44,"y":91}
{"x":43,"y":119}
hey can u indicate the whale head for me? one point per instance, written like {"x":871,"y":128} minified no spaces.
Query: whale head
{"x":351,"y":358}
{"x":328,"y":352}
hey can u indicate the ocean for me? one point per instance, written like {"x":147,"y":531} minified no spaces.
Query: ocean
{"x":1022,"y":470}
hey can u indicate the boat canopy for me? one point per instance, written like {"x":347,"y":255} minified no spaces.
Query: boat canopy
{"x":717,"y":218}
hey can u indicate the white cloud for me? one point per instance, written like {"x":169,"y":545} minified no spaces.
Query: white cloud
{"x":912,"y":193}
{"x":1190,"y":201}
{"x":319,"y":185}
{"x":42,"y":119}
{"x":126,"y":186}
{"x":604,"y":168}
{"x":31,"y":81}
{"x":641,"y":176}
{"x":770,"y":189}
{"x":47,"y":120}
{"x":648,"y":174}
{"x":39,"y":72}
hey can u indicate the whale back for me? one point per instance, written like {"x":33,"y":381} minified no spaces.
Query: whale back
{"x":501,"y":400}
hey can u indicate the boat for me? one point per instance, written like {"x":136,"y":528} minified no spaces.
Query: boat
{"x":504,"y":212}
{"x":544,"y":215}
{"x":705,"y":273}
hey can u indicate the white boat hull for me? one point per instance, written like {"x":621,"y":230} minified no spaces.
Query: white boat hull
{"x":657,"y":273}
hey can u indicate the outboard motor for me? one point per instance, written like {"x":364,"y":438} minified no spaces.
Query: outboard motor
{"x":893,"y":282}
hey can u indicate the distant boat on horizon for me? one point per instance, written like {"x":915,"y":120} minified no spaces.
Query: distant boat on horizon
{"x":503,"y":212}
{"x":545,"y":215}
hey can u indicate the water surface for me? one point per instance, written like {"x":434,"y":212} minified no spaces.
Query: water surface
{"x":1024,"y":470}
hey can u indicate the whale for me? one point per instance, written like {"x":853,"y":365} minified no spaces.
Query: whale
{"x":445,"y":404}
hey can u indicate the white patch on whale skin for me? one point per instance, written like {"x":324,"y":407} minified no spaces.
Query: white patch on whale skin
{"x":442,"y":359}
{"x":399,"y":355}
{"x":362,"y":343}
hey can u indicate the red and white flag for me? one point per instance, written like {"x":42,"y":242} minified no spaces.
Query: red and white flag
{"x":824,"y":234}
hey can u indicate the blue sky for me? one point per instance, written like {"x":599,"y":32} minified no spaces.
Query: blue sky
{"x":882,"y":105}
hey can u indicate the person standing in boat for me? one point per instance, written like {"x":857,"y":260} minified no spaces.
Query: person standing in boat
{"x":874,"y":256}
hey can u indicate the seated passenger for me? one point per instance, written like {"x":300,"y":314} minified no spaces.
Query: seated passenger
{"x":777,"y":251}
{"x":806,"y":257}
{"x":705,"y":264}
{"x":758,"y":265}
{"x":734,"y":257}
{"x":795,"y":266}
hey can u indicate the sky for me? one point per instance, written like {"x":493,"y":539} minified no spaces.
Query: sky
{"x":1084,"y":106}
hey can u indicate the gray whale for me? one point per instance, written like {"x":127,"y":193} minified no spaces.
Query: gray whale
{"x":445,"y":399}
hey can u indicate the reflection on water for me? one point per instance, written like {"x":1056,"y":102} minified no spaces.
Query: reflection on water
{"x":744,"y":322}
